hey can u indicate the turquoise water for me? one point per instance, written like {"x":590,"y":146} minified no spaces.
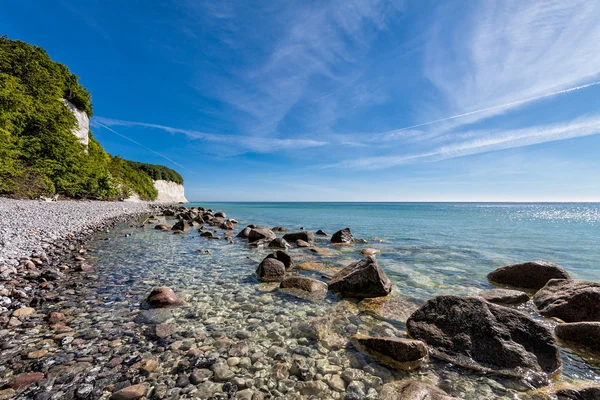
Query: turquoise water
{"x":448,"y":248}
{"x":426,"y":249}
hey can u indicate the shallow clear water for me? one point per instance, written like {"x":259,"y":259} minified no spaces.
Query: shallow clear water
{"x":426,"y":249}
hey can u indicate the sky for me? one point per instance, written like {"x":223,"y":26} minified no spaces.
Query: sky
{"x":339,"y":100}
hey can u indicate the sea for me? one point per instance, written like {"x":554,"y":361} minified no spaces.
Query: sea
{"x":426,"y":249}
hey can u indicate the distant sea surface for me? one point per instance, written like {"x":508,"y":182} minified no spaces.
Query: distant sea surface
{"x":429,"y":249}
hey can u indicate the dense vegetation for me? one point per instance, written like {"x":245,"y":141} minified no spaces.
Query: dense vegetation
{"x":39,"y":155}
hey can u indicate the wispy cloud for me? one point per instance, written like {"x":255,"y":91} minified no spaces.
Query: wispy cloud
{"x":246,"y":143}
{"x":482,"y":141}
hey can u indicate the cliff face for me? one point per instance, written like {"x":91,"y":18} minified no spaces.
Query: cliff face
{"x":83,"y":124}
{"x":169,"y":192}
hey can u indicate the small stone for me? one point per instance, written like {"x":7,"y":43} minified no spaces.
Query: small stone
{"x":133,"y":392}
{"x":146,"y":365}
{"x":7,"y":394}
{"x":34,"y":355}
{"x":55,"y":317}
{"x":25,"y":380}
{"x":222,"y":372}
{"x":336,"y":383}
{"x":162,"y":296}
{"x":23,"y":312}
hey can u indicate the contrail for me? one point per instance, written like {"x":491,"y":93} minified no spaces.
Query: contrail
{"x":512,"y":103}
{"x":145,"y":147}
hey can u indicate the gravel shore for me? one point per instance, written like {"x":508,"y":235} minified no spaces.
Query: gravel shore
{"x":27,"y":226}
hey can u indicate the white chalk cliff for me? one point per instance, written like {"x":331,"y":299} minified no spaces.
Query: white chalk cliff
{"x":169,"y":192}
{"x":83,"y":124}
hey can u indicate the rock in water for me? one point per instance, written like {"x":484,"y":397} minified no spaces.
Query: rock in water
{"x":475,"y":334}
{"x":162,"y":296}
{"x":244,"y":232}
{"x":307,"y":236}
{"x":528,"y":275}
{"x":579,"y":391}
{"x":271,"y":270}
{"x":302,"y":243}
{"x":220,"y":214}
{"x":133,"y":392}
{"x":407,"y":354}
{"x":571,"y":301}
{"x":321,"y":233}
{"x":279,"y":243}
{"x":284,"y":257}
{"x":163,"y":227}
{"x":505,"y":296}
{"x":259,"y":233}
{"x":182,"y":226}
{"x":361,"y":279}
{"x":584,"y":333}
{"x":412,"y":390}
{"x":343,"y":236}
{"x":305,"y":284}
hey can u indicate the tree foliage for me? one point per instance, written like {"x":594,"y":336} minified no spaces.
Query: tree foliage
{"x":39,"y":154}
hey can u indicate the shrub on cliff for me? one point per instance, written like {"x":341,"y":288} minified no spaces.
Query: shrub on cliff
{"x":39,"y":154}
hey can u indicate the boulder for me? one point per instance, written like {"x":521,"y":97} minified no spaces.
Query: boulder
{"x":412,"y":390}
{"x":579,"y":391}
{"x":260,"y":233}
{"x":302,"y":243}
{"x":181,"y":225}
{"x":279,"y":229}
{"x":406,"y":354}
{"x":284,"y":257}
{"x":227,"y":225}
{"x":528,"y":275}
{"x":583,"y":333}
{"x":473,"y":333}
{"x":271,"y":270}
{"x":207,"y":234}
{"x":361,"y":279}
{"x":305,"y":284}
{"x":244,"y":232}
{"x":571,"y":301}
{"x":343,"y":236}
{"x":162,"y":296}
{"x":220,"y":214}
{"x":163,"y":227}
{"x":505,"y":296}
{"x":321,"y":233}
{"x":307,"y":236}
{"x":369,"y":252}
{"x":279,"y":243}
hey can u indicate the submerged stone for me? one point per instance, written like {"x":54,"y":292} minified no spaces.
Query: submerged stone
{"x":361,"y":279}
{"x":528,"y":275}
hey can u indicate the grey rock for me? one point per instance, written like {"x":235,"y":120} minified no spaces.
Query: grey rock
{"x":528,"y":275}
{"x":362,"y":279}
{"x":505,"y":296}
{"x":343,"y":236}
{"x":583,"y":333}
{"x":571,"y":301}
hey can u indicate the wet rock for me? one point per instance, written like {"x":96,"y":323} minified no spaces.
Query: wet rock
{"x":343,"y":236}
{"x":154,"y":316}
{"x":279,"y":229}
{"x":284,"y":257}
{"x":412,"y":390}
{"x":244,"y":232}
{"x":361,"y":279}
{"x":181,"y":225}
{"x":407,"y":354}
{"x":220,"y":214}
{"x":388,"y":307}
{"x":7,"y":394}
{"x":270,"y":270}
{"x":473,"y":333}
{"x":55,"y":317}
{"x":133,"y":392}
{"x":307,"y":236}
{"x":23,"y":312}
{"x":528,"y":275}
{"x":571,"y":301}
{"x":162,"y":296}
{"x":161,"y":331}
{"x":207,"y":234}
{"x":369,"y":252}
{"x":34,"y":355}
{"x":279,"y":243}
{"x":336,"y":383}
{"x":505,"y":296}
{"x":25,"y":380}
{"x":146,"y":365}
{"x":227,"y":225}
{"x":163,"y":227}
{"x":579,"y":391}
{"x":259,"y":233}
{"x":306,"y":284}
{"x":583,"y":333}
{"x":301,"y":243}
{"x":321,"y":233}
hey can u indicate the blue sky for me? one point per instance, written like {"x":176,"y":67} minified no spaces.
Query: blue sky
{"x":340,"y":100}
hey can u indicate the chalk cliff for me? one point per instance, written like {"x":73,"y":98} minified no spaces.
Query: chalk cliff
{"x":169,"y":192}
{"x":83,"y":124}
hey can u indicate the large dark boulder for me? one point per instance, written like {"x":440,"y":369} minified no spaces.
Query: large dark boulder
{"x":244,"y":232}
{"x":584,"y":333}
{"x":361,"y":279}
{"x":220,"y":214}
{"x":284,"y":257}
{"x":528,"y":275}
{"x":505,"y":296}
{"x":406,"y":354}
{"x":578,"y":391}
{"x":412,"y":390}
{"x":260,"y":232}
{"x":271,"y":270}
{"x":571,"y":301}
{"x":181,"y":225}
{"x":343,"y":236}
{"x":307,"y":236}
{"x":279,"y":243}
{"x":163,"y":296}
{"x":473,"y":333}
